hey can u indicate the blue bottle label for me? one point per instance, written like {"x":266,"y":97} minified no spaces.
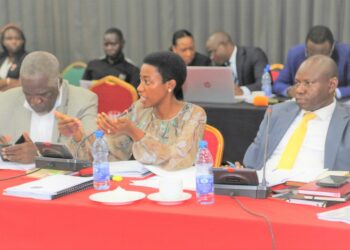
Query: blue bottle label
{"x":204,"y":184}
{"x":101,"y":172}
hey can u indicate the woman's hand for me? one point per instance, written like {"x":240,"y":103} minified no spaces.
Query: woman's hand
{"x":119,"y":126}
{"x":69,"y":126}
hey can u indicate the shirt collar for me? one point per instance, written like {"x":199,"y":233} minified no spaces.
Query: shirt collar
{"x":233,"y":56}
{"x":324,"y":112}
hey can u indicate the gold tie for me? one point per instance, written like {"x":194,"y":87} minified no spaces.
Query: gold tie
{"x":293,"y":146}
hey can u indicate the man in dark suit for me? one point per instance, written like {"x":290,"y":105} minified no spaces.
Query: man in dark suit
{"x":247,"y":63}
{"x":319,"y":40}
{"x":325,"y":141}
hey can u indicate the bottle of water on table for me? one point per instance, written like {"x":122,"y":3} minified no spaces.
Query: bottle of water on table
{"x":204,"y":175}
{"x":266,"y":82}
{"x":100,"y":163}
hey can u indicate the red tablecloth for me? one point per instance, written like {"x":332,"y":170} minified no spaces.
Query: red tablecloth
{"x":75,"y":222}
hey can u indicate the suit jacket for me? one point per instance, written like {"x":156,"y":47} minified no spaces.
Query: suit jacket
{"x":251,"y":62}
{"x":296,"y":55}
{"x":76,"y":102}
{"x":200,"y":60}
{"x":337,"y":146}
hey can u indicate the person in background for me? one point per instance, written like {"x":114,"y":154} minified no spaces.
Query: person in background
{"x":29,"y":110}
{"x":319,"y":40}
{"x":13,"y":45}
{"x":309,"y":134}
{"x":159,"y":129}
{"x":183,"y":45}
{"x":114,"y":63}
{"x":247,"y":63}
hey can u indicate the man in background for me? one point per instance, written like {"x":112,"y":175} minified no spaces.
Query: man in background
{"x":114,"y":63}
{"x":309,"y":134}
{"x":29,"y":110}
{"x":247,"y":63}
{"x":319,"y":40}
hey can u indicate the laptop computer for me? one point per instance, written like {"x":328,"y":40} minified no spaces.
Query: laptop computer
{"x":209,"y":85}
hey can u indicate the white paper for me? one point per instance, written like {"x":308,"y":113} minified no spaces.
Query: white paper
{"x":15,"y":166}
{"x":340,"y":214}
{"x":188,"y":177}
{"x":278,"y":176}
{"x":128,"y":168}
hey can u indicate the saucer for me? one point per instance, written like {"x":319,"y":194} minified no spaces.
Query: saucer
{"x":157,"y":198}
{"x":117,"y":198}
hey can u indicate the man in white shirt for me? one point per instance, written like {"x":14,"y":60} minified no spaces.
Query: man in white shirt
{"x":247,"y":63}
{"x":326,"y":142}
{"x":30,"y":110}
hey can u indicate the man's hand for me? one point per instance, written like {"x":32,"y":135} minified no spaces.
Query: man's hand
{"x":22,"y":153}
{"x":238,"y":90}
{"x":5,"y":139}
{"x":69,"y":126}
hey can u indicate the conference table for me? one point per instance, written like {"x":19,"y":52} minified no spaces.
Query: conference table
{"x":75,"y":222}
{"x":238,"y":123}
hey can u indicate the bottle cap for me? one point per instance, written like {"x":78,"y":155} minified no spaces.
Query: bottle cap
{"x":99,"y":133}
{"x":267,"y":68}
{"x":203,"y":144}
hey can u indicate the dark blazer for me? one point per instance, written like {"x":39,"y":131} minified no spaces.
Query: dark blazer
{"x":337,"y":147}
{"x":251,"y":62}
{"x":14,"y":69}
{"x":200,"y":60}
{"x":296,"y":55}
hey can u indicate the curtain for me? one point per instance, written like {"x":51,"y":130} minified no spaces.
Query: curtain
{"x":73,"y":29}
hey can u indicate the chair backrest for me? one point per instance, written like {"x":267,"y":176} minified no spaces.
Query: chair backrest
{"x":113,"y":94}
{"x":74,"y":72}
{"x":275,"y":71}
{"x":215,"y":143}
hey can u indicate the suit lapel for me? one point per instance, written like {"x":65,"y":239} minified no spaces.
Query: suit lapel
{"x":281,"y":125}
{"x":63,"y":108}
{"x":334,"y":135}
{"x":239,"y":64}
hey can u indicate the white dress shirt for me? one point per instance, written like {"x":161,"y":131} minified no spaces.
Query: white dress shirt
{"x":233,"y":66}
{"x":310,"y":159}
{"x":41,"y":126}
{"x":4,"y":69}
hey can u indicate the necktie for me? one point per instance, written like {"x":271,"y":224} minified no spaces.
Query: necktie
{"x":293,"y":146}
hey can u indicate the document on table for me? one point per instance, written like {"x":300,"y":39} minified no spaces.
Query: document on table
{"x":50,"y":187}
{"x":188,"y":177}
{"x":340,"y":214}
{"x":15,"y":166}
{"x":278,"y":176}
{"x":128,"y":169}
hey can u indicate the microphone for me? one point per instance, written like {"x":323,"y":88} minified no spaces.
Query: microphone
{"x":261,"y":190}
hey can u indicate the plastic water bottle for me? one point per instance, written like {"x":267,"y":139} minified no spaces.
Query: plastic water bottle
{"x":100,"y":164}
{"x":204,"y":175}
{"x":266,"y":81}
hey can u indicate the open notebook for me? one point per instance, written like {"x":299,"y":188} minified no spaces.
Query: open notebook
{"x":50,"y":187}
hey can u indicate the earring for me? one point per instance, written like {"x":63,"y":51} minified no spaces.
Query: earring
{"x":169,"y":90}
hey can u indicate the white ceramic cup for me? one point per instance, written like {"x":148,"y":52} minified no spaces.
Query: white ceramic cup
{"x":170,"y":188}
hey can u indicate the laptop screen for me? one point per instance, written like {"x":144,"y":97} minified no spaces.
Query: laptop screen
{"x":209,"y":85}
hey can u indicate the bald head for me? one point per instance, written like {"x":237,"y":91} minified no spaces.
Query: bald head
{"x":40,"y":63}
{"x":39,"y":77}
{"x":325,"y":65}
{"x":315,"y":82}
{"x":220,"y":37}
